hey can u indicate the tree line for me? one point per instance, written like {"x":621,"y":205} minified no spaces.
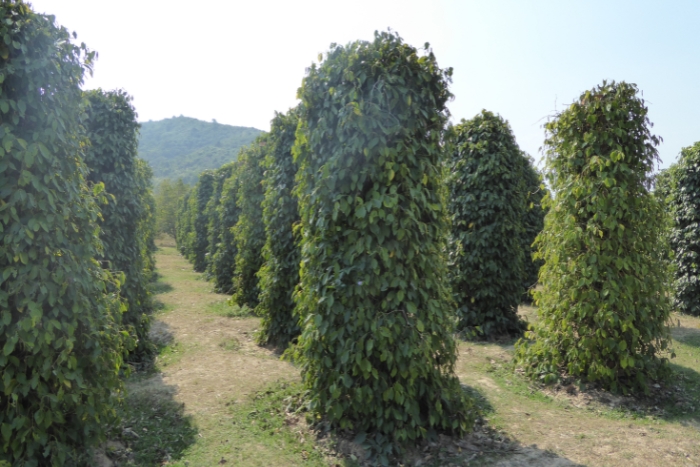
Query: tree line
{"x":77,"y":225}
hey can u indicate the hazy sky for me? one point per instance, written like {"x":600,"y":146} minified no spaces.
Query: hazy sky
{"x":238,"y":62}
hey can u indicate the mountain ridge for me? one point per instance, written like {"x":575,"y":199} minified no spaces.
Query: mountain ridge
{"x":183,"y":147}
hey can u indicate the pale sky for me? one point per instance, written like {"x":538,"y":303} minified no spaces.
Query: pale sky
{"x":238,"y":62}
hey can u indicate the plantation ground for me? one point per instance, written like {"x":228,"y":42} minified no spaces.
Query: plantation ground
{"x":216,"y":398}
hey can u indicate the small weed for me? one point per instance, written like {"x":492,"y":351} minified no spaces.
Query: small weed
{"x":160,"y":287}
{"x":231,"y":343}
{"x":169,"y":354}
{"x":222,"y":308}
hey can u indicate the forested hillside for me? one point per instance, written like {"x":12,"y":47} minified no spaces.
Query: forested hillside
{"x":181,"y":147}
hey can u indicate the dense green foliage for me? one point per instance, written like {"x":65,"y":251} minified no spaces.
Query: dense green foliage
{"x":59,"y":335}
{"x":376,"y":349}
{"x":665,"y":184}
{"x":224,"y":258}
{"x":198,"y":210}
{"x":111,"y":157}
{"x":533,"y":223}
{"x":279,"y":274}
{"x":603,"y":304}
{"x":184,"y":222}
{"x":487,"y":204}
{"x":249,"y":231}
{"x":181,"y":147}
{"x":214,"y":225}
{"x":166,"y":196}
{"x":146,"y":227}
{"x":685,"y":231}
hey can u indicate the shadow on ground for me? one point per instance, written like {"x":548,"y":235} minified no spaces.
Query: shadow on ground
{"x":154,"y":429}
{"x":160,"y":287}
{"x":687,"y":335}
{"x":483,"y":447}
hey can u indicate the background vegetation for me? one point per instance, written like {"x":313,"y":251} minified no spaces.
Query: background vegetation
{"x":182,"y":147}
{"x":487,"y":202}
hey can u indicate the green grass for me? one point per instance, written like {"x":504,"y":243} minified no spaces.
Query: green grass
{"x":228,"y":310}
{"x":231,"y":344}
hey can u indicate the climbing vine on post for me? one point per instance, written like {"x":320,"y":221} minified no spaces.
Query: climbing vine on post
{"x":603,"y":304}
{"x":684,"y":186}
{"x":224,"y":261}
{"x":249,"y":231}
{"x":59,"y":334}
{"x":214,"y":226}
{"x":487,"y":204}
{"x":376,"y":349}
{"x":112,"y":129}
{"x":533,"y":223}
{"x":198,"y":212}
{"x":184,"y":224}
{"x":279,"y":274}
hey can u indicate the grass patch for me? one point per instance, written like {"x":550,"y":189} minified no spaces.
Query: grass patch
{"x":170,"y":354}
{"x":223,"y":308}
{"x":276,"y":419}
{"x":231,"y":343}
{"x":160,"y":287}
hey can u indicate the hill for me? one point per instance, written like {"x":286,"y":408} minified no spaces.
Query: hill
{"x":182,"y":147}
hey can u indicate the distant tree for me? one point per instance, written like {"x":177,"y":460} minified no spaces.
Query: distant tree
{"x":487,"y":205}
{"x":167,"y":195}
{"x":61,"y":345}
{"x":604,"y":305}
{"x":376,"y":349}
{"x":279,"y":274}
{"x":249,"y":231}
{"x":684,"y":186}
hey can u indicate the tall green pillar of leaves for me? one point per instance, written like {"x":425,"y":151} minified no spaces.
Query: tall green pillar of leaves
{"x":214,"y":225}
{"x":603,"y":304}
{"x":198,"y":212}
{"x":249,"y":231}
{"x":112,"y":159}
{"x":59,"y":333}
{"x":533,"y":223}
{"x":279,"y":274}
{"x":224,"y":261}
{"x":376,"y":349}
{"x":146,"y":225}
{"x":685,"y":234}
{"x":487,"y":205}
{"x":184,"y":224}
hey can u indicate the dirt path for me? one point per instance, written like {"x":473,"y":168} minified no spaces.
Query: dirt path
{"x":219,"y":360}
